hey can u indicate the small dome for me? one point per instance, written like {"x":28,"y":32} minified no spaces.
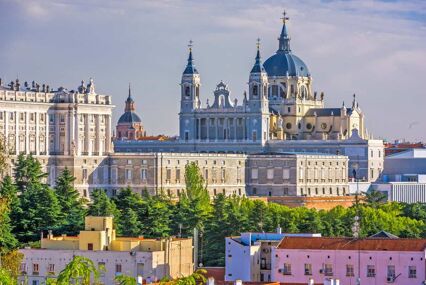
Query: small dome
{"x":129,"y":118}
{"x":285,"y":64}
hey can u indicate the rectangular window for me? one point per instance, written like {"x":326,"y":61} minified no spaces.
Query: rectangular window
{"x":287,"y":269}
{"x":84,"y":174}
{"x":118,"y":268}
{"x":328,"y":270}
{"x":223,"y":174}
{"x":206,"y":174}
{"x":90,"y":246}
{"x":254,"y":174}
{"x":371,"y":271}
{"x":308,"y":269}
{"x":286,"y":174}
{"x":51,"y":268}
{"x":270,"y":174}
{"x":114,"y":175}
{"x":143,"y":174}
{"x":35,"y":282}
{"x":177,"y":174}
{"x":391,"y":272}
{"x":35,"y":269}
{"x":23,"y":267}
{"x":144,"y":162}
{"x":128,"y":174}
{"x":168,"y":174}
{"x":349,"y":270}
{"x":412,"y":272}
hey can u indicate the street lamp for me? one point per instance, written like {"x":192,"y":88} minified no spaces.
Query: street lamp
{"x":356,"y":228}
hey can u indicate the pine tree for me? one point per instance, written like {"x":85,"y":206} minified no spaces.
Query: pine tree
{"x":129,"y":224}
{"x":155,"y":216}
{"x":39,"y":207}
{"x":72,"y":205}
{"x":102,"y":205}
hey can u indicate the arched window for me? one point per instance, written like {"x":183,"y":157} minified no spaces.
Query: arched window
{"x":197,"y":91}
{"x":187,"y":91}
{"x":274,"y":90}
{"x":255,"y":90}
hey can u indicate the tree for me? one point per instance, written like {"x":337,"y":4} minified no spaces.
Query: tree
{"x":11,"y":262}
{"x":72,"y":205}
{"x":80,"y":271}
{"x":102,"y":205}
{"x":129,"y":225}
{"x":193,"y":208}
{"x":374,"y":198}
{"x":38,"y":205}
{"x":6,"y":278}
{"x":196,"y":278}
{"x":155,"y":216}
{"x":28,"y":171}
{"x":3,"y":155}
{"x":123,"y":279}
{"x":7,"y":239}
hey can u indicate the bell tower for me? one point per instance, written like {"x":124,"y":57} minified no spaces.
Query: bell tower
{"x":190,"y":98}
{"x":258,"y":105}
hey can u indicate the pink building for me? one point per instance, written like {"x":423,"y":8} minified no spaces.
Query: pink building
{"x":300,"y":260}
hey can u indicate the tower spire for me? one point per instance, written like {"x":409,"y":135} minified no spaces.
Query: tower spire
{"x":258,"y":66}
{"x":130,"y":93}
{"x":190,"y":67}
{"x":284,"y":39}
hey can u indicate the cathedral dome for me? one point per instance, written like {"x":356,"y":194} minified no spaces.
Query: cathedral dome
{"x":284,"y":62}
{"x":129,"y":118}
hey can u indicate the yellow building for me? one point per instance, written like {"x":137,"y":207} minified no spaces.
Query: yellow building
{"x":151,"y":259}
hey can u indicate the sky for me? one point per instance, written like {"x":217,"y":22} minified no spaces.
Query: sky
{"x":376,"y":49}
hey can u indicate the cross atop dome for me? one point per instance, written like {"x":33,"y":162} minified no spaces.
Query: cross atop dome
{"x":285,"y":18}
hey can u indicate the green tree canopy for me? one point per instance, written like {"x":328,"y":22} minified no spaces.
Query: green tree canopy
{"x":72,"y":205}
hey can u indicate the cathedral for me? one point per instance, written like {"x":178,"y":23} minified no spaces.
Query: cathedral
{"x":280,"y":105}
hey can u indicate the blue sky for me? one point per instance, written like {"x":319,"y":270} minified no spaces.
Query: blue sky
{"x":376,"y":49}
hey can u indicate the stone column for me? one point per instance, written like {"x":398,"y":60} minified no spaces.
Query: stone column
{"x":17,"y":147}
{"x":216,"y":122}
{"x":47,"y":138}
{"x":6,"y":128}
{"x":199,"y":129}
{"x":98,"y":134}
{"x":208,"y":129}
{"x":57,"y":133}
{"x":108,"y":134}
{"x":27,"y":132}
{"x":235,"y":128}
{"x":77,"y":133}
{"x":66,"y":134}
{"x":87,"y":148}
{"x":37,"y":136}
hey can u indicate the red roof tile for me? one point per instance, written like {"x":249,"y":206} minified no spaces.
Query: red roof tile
{"x":371,"y":244}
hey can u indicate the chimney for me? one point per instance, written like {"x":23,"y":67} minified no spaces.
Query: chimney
{"x":210,"y":281}
{"x":238,"y":282}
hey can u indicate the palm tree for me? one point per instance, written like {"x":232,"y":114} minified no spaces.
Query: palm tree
{"x":196,"y":278}
{"x":125,"y":280}
{"x":79,"y":271}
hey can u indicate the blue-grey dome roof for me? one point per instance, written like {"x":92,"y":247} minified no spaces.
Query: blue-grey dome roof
{"x":285,"y":64}
{"x":129,"y":117}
